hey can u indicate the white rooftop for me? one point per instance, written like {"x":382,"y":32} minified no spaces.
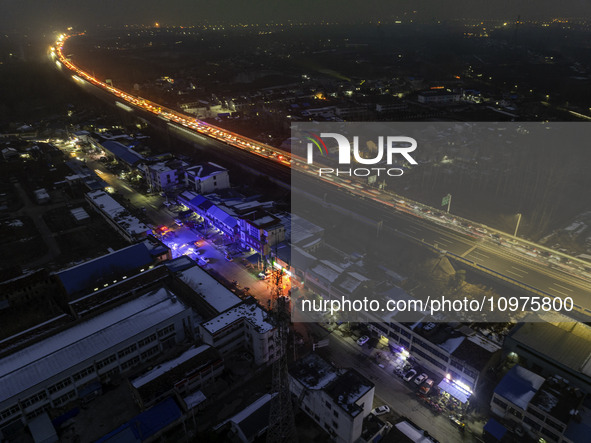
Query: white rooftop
{"x":254,"y":314}
{"x":194,"y":399}
{"x":209,"y":289}
{"x":47,"y":358}
{"x":117,"y":213}
{"x":167,"y":366}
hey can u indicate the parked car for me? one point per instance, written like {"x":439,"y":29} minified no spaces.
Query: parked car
{"x":381,"y":410}
{"x":362,"y":340}
{"x":427,"y":386}
{"x":409,"y":375}
{"x":263,"y":276}
{"x":421,"y":378}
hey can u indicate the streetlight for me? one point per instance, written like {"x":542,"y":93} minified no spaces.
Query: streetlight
{"x":518,"y":221}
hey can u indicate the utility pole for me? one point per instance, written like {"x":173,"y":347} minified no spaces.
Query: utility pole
{"x":517,"y":226}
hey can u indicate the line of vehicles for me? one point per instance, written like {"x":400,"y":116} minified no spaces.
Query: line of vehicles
{"x":293,"y":161}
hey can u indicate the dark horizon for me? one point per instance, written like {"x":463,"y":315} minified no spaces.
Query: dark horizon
{"x":31,"y":16}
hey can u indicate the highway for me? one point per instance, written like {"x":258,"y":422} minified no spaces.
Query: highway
{"x":514,"y":261}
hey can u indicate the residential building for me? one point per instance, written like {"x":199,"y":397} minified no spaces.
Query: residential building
{"x":188,"y":373}
{"x":550,"y":409}
{"x":116,"y":215}
{"x":338,"y":400}
{"x":246,"y":326}
{"x":260,"y":231}
{"x":164,"y":176}
{"x":55,"y":370}
{"x":206,"y":178}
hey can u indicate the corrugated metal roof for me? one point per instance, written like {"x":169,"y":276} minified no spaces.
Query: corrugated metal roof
{"x":116,"y":264}
{"x":54,"y":355}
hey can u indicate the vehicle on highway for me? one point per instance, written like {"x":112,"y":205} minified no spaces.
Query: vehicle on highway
{"x":362,"y":340}
{"x":381,"y":410}
{"x":427,"y":386}
{"x":409,"y":375}
{"x":457,"y":423}
{"x":421,"y":378}
{"x":229,"y":257}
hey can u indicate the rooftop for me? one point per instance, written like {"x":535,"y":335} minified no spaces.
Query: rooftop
{"x":51,"y":356}
{"x":117,"y":213}
{"x":167,"y":366}
{"x":122,"y":152}
{"x":557,"y":398}
{"x":519,"y":385}
{"x":112,"y":266}
{"x":254,"y":419}
{"x":209,"y":289}
{"x":313,"y":372}
{"x":252,"y":313}
{"x":568,"y":343}
{"x":347,"y":389}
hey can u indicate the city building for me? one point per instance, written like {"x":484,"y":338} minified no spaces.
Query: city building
{"x":246,"y":326}
{"x":56,"y":370}
{"x":121,"y":153}
{"x":456,"y":352}
{"x":438,"y":97}
{"x":26,"y":288}
{"x":260,"y":231}
{"x":252,"y":421}
{"x":164,"y":176}
{"x":186,"y":374}
{"x":550,"y":409}
{"x":111,"y":268}
{"x":116,"y":215}
{"x":338,"y":400}
{"x":205,"y":294}
{"x":206,"y":178}
{"x":558,"y":346}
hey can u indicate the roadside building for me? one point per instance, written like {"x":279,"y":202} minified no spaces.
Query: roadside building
{"x":206,"y":178}
{"x":246,"y":326}
{"x":550,"y":409}
{"x":555,"y":347}
{"x":338,"y":400}
{"x":261,"y":231}
{"x":116,"y":215}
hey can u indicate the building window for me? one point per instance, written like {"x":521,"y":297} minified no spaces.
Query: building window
{"x":500,"y":403}
{"x":34,"y":399}
{"x":150,"y":352}
{"x":147,"y":340}
{"x":84,"y":373}
{"x":327,"y":403}
{"x":335,"y":424}
{"x":335,"y":413}
{"x":106,"y":361}
{"x":127,"y":351}
{"x":10,"y":412}
{"x":130,"y":363}
{"x":59,"y":386}
{"x":166,"y":331}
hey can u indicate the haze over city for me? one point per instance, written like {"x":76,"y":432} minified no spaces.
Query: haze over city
{"x":295,"y":221}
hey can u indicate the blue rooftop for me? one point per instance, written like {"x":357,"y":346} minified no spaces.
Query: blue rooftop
{"x":110,"y":266}
{"x":495,"y":429}
{"x":122,"y":152}
{"x":146,"y":424}
{"x":519,"y":386}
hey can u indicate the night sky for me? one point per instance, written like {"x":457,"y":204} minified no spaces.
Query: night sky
{"x":41,"y":15}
